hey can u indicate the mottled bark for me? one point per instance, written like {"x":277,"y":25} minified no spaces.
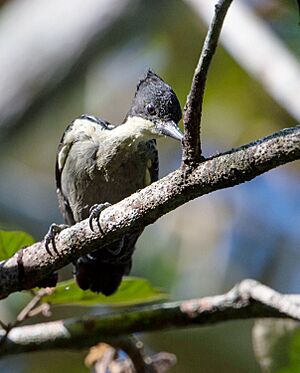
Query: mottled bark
{"x":249,"y":299}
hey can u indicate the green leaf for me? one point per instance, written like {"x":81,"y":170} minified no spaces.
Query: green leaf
{"x":12,"y":241}
{"x":132,"y":291}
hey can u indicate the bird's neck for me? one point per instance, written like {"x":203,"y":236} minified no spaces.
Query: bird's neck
{"x":133,"y":131}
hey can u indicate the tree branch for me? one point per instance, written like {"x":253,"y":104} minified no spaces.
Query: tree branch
{"x":271,"y":52}
{"x":29,"y":266}
{"x":249,"y":299}
{"x":33,"y":308}
{"x":193,"y":108}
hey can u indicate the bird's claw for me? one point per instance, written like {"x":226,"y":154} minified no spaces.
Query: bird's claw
{"x":95,"y":212}
{"x":50,"y":236}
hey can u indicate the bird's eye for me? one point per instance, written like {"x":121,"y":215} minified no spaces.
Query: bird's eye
{"x":151,"y":109}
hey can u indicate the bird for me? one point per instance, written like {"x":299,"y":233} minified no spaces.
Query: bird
{"x":99,"y":164}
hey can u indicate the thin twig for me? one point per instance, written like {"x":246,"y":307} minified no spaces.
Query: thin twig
{"x":33,"y":304}
{"x":32,"y":308}
{"x":271,"y":52}
{"x":192,"y":152}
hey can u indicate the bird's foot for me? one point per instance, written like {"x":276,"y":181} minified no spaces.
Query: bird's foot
{"x":50,"y":236}
{"x":95,"y":212}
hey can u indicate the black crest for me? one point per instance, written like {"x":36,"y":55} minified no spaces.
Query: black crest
{"x":155,"y":99}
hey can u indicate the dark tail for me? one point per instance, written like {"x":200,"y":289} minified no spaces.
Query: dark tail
{"x":99,"y":276}
{"x":102,"y":271}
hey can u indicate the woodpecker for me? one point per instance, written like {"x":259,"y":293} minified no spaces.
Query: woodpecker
{"x":101,"y":163}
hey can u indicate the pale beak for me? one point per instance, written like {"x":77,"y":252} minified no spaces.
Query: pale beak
{"x":170,"y":129}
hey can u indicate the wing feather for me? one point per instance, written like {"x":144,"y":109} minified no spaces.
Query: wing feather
{"x":63,"y":150}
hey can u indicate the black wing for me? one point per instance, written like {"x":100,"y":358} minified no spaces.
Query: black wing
{"x":154,"y":169}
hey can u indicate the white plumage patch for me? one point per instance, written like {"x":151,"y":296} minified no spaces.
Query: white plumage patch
{"x":82,"y":128}
{"x":147,"y":178}
{"x":62,"y":156}
{"x":137,"y":128}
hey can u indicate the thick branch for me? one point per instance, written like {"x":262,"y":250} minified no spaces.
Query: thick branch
{"x":193,"y":107}
{"x":249,"y":299}
{"x":31,"y":265}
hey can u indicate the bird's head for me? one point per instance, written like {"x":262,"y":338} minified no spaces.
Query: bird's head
{"x":155,"y":108}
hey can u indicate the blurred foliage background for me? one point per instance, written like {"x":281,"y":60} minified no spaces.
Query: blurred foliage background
{"x":205,"y":246}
